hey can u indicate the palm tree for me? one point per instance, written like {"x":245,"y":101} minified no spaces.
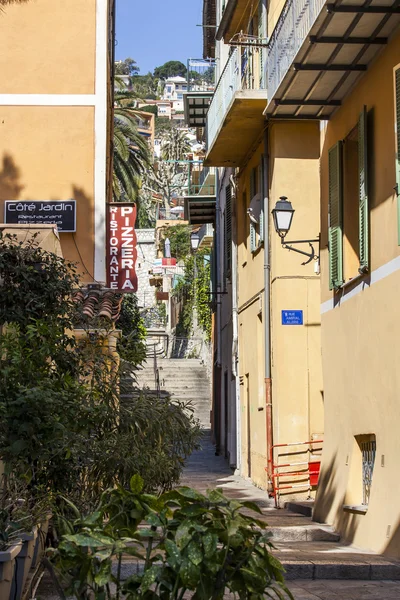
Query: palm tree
{"x":131,"y":153}
{"x":175,"y":145}
{"x":131,"y":156}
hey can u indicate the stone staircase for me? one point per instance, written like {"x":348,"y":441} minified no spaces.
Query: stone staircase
{"x":184,"y":379}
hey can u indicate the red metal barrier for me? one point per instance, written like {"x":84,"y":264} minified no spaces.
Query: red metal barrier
{"x":311,"y":472}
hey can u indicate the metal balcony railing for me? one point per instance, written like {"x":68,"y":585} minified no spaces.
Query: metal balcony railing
{"x":244,"y":70}
{"x":202,"y":181}
{"x":292,"y":28}
{"x":205,"y":231}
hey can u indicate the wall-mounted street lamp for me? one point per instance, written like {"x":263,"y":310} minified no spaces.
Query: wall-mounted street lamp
{"x":194,"y":240}
{"x":283,"y":216}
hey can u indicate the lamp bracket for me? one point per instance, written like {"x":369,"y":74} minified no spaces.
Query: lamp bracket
{"x":311,"y":255}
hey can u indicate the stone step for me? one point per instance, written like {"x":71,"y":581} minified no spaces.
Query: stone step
{"x":330,"y":560}
{"x":350,"y":565}
{"x":309,"y":533}
{"x":303,"y":508}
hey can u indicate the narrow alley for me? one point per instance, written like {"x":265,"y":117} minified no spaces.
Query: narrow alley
{"x":318,"y":566}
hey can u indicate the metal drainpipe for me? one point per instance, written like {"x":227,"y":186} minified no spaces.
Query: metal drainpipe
{"x":235,"y":333}
{"x":217,"y":364}
{"x":267,"y":310}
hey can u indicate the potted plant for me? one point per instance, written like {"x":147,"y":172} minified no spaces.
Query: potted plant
{"x":19,"y":514}
{"x":10,"y":544}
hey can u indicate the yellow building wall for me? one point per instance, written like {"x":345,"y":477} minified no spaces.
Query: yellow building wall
{"x":297,"y":396}
{"x":360,"y":334}
{"x":47,"y":152}
{"x":48,"y":47}
{"x":297,"y":389}
{"x":274,"y":10}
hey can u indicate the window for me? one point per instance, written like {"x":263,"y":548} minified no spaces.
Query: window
{"x":348,"y":206}
{"x":179,"y":96}
{"x":228,"y":231}
{"x":368,"y":452}
{"x":169,"y":89}
{"x":256,"y":212}
{"x":361,"y":470}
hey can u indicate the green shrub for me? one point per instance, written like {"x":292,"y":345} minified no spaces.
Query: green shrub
{"x":205,"y":545}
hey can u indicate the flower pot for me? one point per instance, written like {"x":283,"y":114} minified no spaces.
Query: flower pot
{"x":23,"y":563}
{"x":7,"y":568}
{"x":40,"y":543}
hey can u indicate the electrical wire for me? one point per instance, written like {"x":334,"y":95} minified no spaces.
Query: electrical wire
{"x":82,"y":261}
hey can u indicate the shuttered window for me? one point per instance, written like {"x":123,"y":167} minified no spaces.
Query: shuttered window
{"x":253,"y":192}
{"x":335,"y":216}
{"x":397,"y":107}
{"x":262,"y":195}
{"x":363,"y":193}
{"x":253,"y":237}
{"x":228,"y":231}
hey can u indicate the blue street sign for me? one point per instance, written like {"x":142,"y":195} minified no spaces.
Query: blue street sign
{"x":292,"y":317}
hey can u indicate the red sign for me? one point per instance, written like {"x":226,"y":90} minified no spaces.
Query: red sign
{"x":121,"y":247}
{"x":162,"y":295}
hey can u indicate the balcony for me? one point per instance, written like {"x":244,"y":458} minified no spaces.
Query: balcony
{"x":206,"y":236}
{"x":200,"y":199}
{"x":318,"y":51}
{"x":200,"y":85}
{"x":235,"y":118}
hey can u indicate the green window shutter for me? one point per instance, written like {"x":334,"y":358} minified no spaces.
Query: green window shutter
{"x":397,"y":97}
{"x":228,"y":230}
{"x":363,"y":192}
{"x":262,"y":194}
{"x":335,"y":217}
{"x":253,"y":237}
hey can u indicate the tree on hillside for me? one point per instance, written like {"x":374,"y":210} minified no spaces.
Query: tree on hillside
{"x":172,"y":68}
{"x":126,"y":67}
{"x":164,"y":125}
{"x":145,"y":86}
{"x":175,"y":145}
{"x":169,"y":177}
{"x":149,"y":108}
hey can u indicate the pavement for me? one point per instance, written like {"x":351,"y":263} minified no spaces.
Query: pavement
{"x":318,"y":565}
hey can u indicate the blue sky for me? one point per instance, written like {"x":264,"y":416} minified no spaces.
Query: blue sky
{"x":155,"y":31}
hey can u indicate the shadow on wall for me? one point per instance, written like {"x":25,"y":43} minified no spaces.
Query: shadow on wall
{"x":344,"y":522}
{"x":77,"y":247}
{"x":10,"y":186}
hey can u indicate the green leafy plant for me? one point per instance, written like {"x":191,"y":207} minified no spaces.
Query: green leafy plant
{"x":63,"y":427}
{"x":34,"y":284}
{"x":194,"y":289}
{"x":131,"y":346}
{"x":179,"y":237}
{"x":185,"y":542}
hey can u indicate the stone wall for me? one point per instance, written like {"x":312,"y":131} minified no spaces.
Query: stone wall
{"x":146,"y":255}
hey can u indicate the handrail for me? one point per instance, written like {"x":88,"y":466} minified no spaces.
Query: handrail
{"x":312,"y":472}
{"x":156,"y":373}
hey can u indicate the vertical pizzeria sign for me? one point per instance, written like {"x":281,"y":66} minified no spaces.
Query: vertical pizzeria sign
{"x":121,"y":247}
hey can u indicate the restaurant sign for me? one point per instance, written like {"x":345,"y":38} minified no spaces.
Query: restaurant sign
{"x":42,"y":212}
{"x":121,"y":247}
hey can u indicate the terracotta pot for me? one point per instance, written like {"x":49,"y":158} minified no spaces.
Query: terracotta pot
{"x":23,"y":563}
{"x":7,"y":568}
